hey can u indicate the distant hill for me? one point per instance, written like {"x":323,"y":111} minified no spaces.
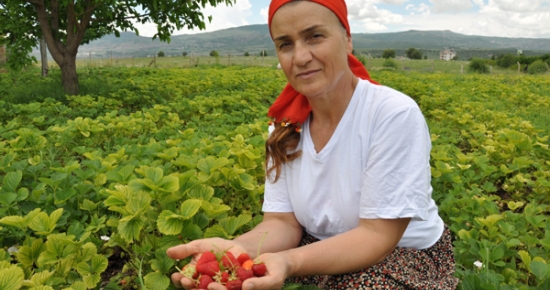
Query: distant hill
{"x":255,"y":38}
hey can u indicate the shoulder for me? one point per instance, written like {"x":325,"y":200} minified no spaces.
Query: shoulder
{"x":381,"y":101}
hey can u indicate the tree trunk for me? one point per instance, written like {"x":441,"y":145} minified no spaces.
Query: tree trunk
{"x":44,"y":57}
{"x":68,"y":74}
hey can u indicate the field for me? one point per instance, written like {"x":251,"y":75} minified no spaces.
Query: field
{"x":429,"y":65}
{"x":95,"y":187}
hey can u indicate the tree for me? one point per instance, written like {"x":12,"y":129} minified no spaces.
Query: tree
{"x":66,"y":24}
{"x":184,"y":54}
{"x":506,"y":61}
{"x":388,"y":53}
{"x":160,"y":54}
{"x":214,"y":53}
{"x":246,"y":54}
{"x":263,"y":53}
{"x":478,"y":65}
{"x":414,"y":53}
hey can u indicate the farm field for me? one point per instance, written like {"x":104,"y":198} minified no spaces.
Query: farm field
{"x":374,"y":64}
{"x":94,"y":188}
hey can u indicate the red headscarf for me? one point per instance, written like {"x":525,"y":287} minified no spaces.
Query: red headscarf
{"x":291,"y":106}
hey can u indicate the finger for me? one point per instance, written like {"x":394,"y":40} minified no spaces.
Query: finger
{"x":176,"y":279}
{"x":183,"y":251}
{"x":216,"y":286}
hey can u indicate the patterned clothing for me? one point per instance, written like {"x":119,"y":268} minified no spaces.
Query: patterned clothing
{"x":404,"y":268}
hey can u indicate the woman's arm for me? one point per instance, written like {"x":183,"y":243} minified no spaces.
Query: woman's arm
{"x":282,"y":232}
{"x":357,"y":249}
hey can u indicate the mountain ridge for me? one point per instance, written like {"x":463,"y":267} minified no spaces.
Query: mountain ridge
{"x":255,"y":38}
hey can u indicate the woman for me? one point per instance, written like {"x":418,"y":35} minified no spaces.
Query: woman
{"x":347,"y":200}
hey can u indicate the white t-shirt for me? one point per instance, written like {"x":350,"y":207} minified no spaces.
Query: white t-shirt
{"x":376,"y":165}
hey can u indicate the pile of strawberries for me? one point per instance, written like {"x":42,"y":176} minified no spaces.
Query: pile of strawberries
{"x":223,"y":268}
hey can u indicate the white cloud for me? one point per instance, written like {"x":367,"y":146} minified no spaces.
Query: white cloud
{"x":370,"y":16}
{"x":222,"y":17}
{"x":518,"y":6}
{"x":422,"y":9}
{"x":265,"y":13}
{"x":451,"y":6}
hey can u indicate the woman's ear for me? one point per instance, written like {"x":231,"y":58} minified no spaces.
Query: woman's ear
{"x":349,"y":44}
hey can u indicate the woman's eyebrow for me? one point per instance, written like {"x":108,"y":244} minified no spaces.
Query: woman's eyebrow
{"x":302,"y":32}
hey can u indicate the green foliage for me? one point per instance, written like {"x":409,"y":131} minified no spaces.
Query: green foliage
{"x":214,"y":53}
{"x":506,"y":61}
{"x":413,"y":53}
{"x":263,"y":53}
{"x":246,"y":53}
{"x":388,"y":53}
{"x":538,"y":67}
{"x":88,"y":21}
{"x":390,"y":64}
{"x":160,"y":54}
{"x":478,"y":65}
{"x":168,"y":156}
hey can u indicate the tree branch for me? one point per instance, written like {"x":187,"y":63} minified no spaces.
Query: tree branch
{"x":42,"y":17}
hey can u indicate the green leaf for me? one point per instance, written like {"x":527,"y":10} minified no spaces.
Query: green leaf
{"x":11,"y":180}
{"x":540,"y":269}
{"x":129,"y":229}
{"x":162,"y":263}
{"x":169,"y":223}
{"x":216,"y":231}
{"x":191,"y":231}
{"x":156,"y":281}
{"x":18,"y":221}
{"x":201,"y":191}
{"x":88,"y":205}
{"x":190,"y":207}
{"x":11,"y":278}
{"x":154,"y":174}
{"x":169,"y":184}
{"x":232,"y":224}
{"x":43,"y":224}
{"x":28,"y":255}
{"x":40,"y":278}
{"x":209,"y":164}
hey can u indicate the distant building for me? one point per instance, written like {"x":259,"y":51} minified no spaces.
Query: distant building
{"x":447,"y":54}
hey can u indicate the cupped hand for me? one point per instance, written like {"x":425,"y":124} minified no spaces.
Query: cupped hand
{"x":195,"y":249}
{"x":278,"y":269}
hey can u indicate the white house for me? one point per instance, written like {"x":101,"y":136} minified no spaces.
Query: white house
{"x":447,"y":54}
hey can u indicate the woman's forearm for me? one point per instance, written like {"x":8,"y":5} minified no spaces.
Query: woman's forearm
{"x":281,"y":231}
{"x":357,"y":249}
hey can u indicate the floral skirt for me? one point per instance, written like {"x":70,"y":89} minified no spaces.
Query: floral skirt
{"x":404,"y":268}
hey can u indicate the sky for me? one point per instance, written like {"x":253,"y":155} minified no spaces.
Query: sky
{"x":505,"y":18}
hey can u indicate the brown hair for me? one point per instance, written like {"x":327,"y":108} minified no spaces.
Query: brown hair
{"x":280,"y":148}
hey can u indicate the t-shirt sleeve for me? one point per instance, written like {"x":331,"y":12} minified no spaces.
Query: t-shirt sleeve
{"x":396,"y":180}
{"x":276,"y":196}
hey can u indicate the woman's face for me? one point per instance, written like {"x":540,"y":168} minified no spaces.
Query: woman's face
{"x":312,"y":47}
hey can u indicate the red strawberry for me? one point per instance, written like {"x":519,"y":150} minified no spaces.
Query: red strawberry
{"x":204,"y":280}
{"x":210,"y":268}
{"x":224,"y":277}
{"x":243,"y":257}
{"x":229,"y":261}
{"x":244,"y":274}
{"x":234,"y":285}
{"x":259,"y":269}
{"x":206,"y":257}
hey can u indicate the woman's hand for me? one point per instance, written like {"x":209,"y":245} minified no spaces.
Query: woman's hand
{"x":278,"y":269}
{"x":195,"y":249}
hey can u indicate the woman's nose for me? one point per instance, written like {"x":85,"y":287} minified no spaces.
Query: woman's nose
{"x":302,"y":54}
